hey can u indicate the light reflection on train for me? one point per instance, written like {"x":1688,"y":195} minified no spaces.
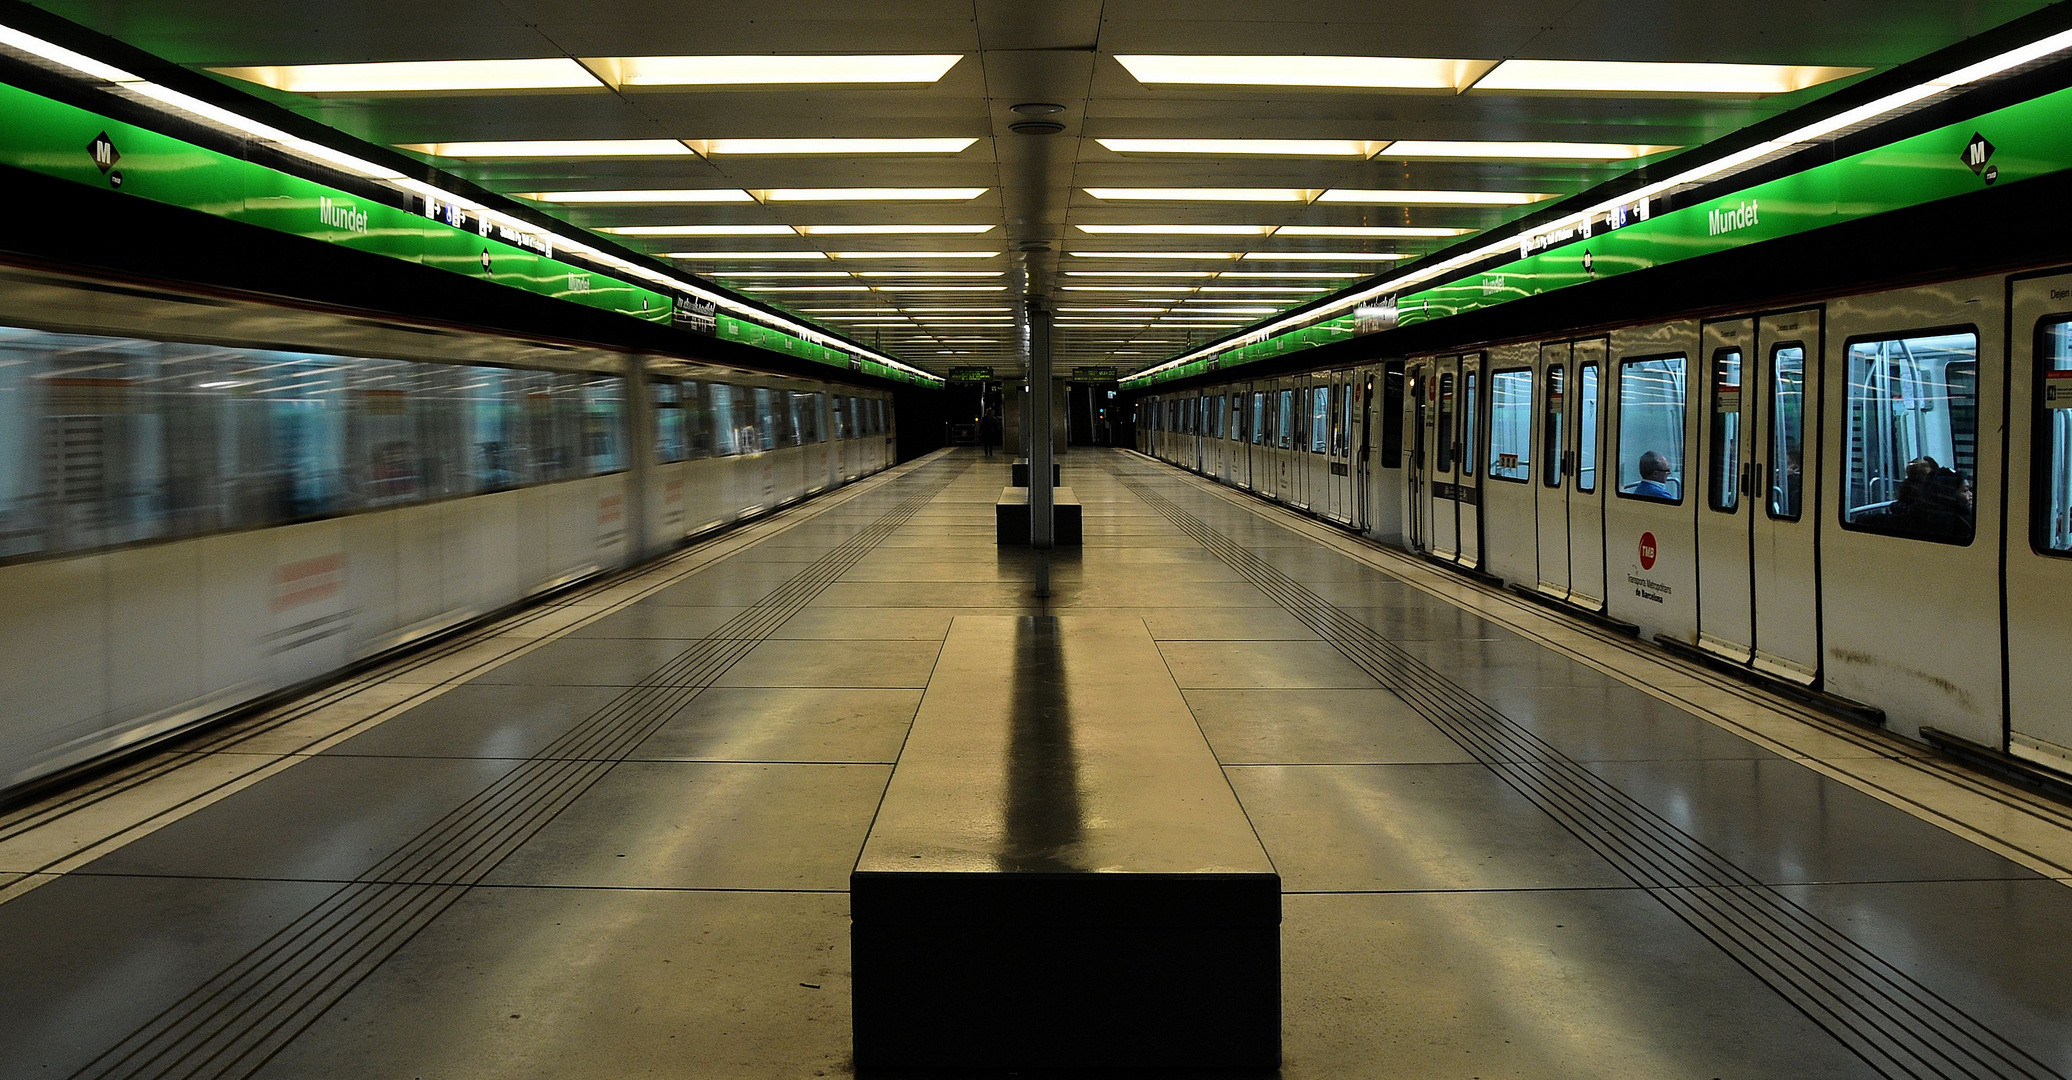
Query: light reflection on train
{"x":187,"y":525}
{"x":1823,"y":495}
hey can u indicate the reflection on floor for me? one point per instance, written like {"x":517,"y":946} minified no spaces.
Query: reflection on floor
{"x":624,"y":852}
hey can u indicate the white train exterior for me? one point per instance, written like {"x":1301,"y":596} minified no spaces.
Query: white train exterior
{"x":208,"y":501}
{"x":1868,"y":495}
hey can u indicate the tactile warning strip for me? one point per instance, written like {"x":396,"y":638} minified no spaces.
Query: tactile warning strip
{"x":1897,"y":1025}
{"x":230,"y":1025}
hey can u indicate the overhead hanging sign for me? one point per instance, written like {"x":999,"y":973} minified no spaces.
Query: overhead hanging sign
{"x":970,"y":374}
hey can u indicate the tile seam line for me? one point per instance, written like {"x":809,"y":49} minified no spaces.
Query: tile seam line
{"x":2047,"y":815}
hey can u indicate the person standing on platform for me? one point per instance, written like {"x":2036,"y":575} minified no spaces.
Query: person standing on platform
{"x":989,"y":431}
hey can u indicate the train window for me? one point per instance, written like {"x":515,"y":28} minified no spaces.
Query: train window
{"x":1443,"y":460}
{"x":1284,"y":429}
{"x":1723,"y":449}
{"x":1550,"y":427}
{"x":670,"y":441}
{"x":1912,"y":406}
{"x":1258,"y":429}
{"x":1586,"y":427}
{"x":1510,"y":424}
{"x":1651,"y":428}
{"x":1787,"y":430}
{"x":807,"y":408}
{"x":1467,"y":424}
{"x":2050,"y":506}
{"x":1319,"y":419}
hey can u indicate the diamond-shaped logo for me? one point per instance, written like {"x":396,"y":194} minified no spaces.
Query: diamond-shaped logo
{"x":1977,"y":152}
{"x":104,"y":153}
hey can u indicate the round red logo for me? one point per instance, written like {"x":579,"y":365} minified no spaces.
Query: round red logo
{"x":1647,"y":551}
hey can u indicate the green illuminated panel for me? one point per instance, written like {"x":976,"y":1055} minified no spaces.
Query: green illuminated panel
{"x":58,"y":140}
{"x":2028,"y":141}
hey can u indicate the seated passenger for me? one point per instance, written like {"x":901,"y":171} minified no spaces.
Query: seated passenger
{"x":1944,"y":507}
{"x":1654,"y":472}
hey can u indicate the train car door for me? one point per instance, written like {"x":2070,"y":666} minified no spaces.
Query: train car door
{"x":1340,"y":467}
{"x":1551,"y":494}
{"x":1726,"y":589}
{"x":1786,"y":572}
{"x":1585,"y":489}
{"x":1316,"y":456}
{"x":1442,"y":420}
{"x":1421,"y":390}
{"x":2039,"y":523}
{"x":1468,"y":485}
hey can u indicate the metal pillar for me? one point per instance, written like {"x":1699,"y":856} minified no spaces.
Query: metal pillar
{"x":1039,"y":436}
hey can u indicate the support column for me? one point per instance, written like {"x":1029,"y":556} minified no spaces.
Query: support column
{"x":1038,"y":433}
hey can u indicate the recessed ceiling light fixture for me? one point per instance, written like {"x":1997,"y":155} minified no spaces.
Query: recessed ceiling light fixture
{"x":1154,"y":255}
{"x":745,"y":256}
{"x":917,"y":254}
{"x":1262,"y":288}
{"x":1365,"y":72}
{"x":811,"y":288}
{"x":554,"y":148}
{"x":1359,"y":148}
{"x":1179,"y":230}
{"x":877,"y":194}
{"x":1630,"y":78}
{"x":895,"y":230}
{"x":940,"y":288}
{"x":1320,"y":275}
{"x":1141,"y":273}
{"x":1401,"y":197}
{"x":421,"y":76}
{"x":1106,"y":194}
{"x":788,"y":147}
{"x":1508,"y":151}
{"x":1326,"y":256}
{"x":639,"y":71}
{"x":930,"y":273}
{"x":635,"y":198}
{"x":1146,"y":289}
{"x":761,"y":274}
{"x":1401,"y":232}
{"x":699,"y":230}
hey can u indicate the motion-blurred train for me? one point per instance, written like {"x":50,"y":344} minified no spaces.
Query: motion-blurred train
{"x":205,"y":501}
{"x":1867,"y":495}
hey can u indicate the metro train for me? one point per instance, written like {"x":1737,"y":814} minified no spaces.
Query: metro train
{"x":1867,"y":496}
{"x":207,"y":500}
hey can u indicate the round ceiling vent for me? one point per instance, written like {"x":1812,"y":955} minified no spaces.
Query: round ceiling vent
{"x":1037,"y":108}
{"x":1033,"y":245}
{"x":1036,"y":127}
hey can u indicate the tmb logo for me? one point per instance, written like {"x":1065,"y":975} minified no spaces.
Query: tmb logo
{"x":1647,"y":551}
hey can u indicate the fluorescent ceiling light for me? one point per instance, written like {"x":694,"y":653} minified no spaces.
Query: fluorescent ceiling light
{"x":1624,"y":77}
{"x":1241,"y":311}
{"x":1320,"y":274}
{"x":1154,"y":254}
{"x":420,"y":76}
{"x":847,"y":311}
{"x":1544,"y":151}
{"x":777,"y":147}
{"x":1403,"y":197}
{"x":554,"y":148}
{"x":1359,"y":148}
{"x":767,"y":70}
{"x":1142,"y":273}
{"x":1131,"y":310}
{"x":1180,"y":230}
{"x":873,"y":194}
{"x":1301,"y":195}
{"x":1282,"y":300}
{"x":930,"y":273}
{"x":631,"y":198}
{"x":1129,"y":288}
{"x":1402,"y":232}
{"x":699,"y":230}
{"x":1067,"y":324}
{"x":940,"y":288}
{"x":967,"y":310}
{"x":759,"y":274}
{"x":1377,"y":72}
{"x":745,"y":256}
{"x":895,"y":230}
{"x":812,"y":288}
{"x":1326,"y":256}
{"x":917,"y":254}
{"x":1264,"y":288}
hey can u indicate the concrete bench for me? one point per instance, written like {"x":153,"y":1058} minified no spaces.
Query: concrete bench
{"x":1059,"y":876}
{"x":1011,"y":517}
{"x":1018,"y":474}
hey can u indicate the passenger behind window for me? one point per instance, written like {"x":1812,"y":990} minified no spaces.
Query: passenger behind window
{"x":1654,"y":478}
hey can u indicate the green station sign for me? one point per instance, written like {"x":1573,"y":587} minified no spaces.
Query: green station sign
{"x":970,"y":374}
{"x":1093,"y":374}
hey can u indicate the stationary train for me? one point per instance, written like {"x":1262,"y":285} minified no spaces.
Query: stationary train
{"x":205,"y":500}
{"x":1868,"y":496}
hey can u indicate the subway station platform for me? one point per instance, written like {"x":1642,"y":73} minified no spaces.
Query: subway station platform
{"x":613,"y":835}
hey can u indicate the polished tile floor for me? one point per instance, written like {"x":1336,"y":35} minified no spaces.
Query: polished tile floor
{"x":625,"y":852}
